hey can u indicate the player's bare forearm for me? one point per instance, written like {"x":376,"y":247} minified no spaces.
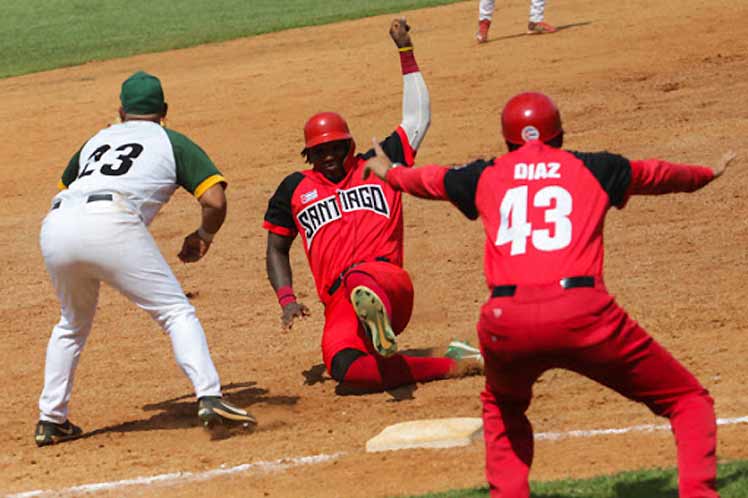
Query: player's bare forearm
{"x":214,"y":206}
{"x":278,"y":266}
{"x":278,"y":262}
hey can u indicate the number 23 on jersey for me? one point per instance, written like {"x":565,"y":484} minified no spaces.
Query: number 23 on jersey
{"x":514,"y":228}
{"x":120,"y":167}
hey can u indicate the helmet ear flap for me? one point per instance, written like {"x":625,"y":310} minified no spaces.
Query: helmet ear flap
{"x":530,"y":116}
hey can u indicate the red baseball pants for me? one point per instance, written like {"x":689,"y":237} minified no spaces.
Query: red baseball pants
{"x":585,"y":331}
{"x":343,"y":331}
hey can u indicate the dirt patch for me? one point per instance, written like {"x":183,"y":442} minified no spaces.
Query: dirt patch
{"x":638,"y":81}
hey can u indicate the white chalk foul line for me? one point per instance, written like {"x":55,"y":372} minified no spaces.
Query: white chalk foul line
{"x":272,"y":466}
{"x":285,"y":463}
{"x":555,"y":436}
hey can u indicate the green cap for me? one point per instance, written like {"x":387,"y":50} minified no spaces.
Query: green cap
{"x":142,"y":94}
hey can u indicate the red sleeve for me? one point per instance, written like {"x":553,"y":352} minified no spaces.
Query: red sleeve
{"x":408,"y":153}
{"x":278,"y":230}
{"x":426,"y":182}
{"x":653,"y":177}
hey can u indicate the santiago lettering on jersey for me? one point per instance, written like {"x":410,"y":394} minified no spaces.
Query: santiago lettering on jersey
{"x":327,"y":210}
{"x":536,"y":171}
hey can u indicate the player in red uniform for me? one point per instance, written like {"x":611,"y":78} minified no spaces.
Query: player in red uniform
{"x":352,"y":231}
{"x":543,"y":210}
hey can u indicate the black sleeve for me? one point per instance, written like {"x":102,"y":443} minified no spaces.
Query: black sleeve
{"x":279,"y":206}
{"x":393,"y":147}
{"x":461,"y":184}
{"x":612,"y":171}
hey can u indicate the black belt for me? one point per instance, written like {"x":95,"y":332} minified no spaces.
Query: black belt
{"x":91,"y":198}
{"x":566,"y":283}
{"x":336,"y":284}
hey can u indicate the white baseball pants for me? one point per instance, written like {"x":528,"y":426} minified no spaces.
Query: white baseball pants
{"x":537,"y":10}
{"x":84,"y":243}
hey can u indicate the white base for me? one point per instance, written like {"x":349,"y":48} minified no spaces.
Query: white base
{"x":433,"y":433}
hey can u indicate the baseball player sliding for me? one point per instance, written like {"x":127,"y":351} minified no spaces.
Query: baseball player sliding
{"x":535,"y":26}
{"x":352,"y":232}
{"x":543,"y":210}
{"x":96,"y":231}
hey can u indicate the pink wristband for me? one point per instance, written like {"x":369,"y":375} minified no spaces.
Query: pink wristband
{"x":408,"y":61}
{"x":285,"y":296}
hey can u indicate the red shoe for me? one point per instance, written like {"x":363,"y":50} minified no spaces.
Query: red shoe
{"x":539,"y":28}
{"x":482,"y":34}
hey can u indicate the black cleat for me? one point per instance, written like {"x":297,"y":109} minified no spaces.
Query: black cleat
{"x":215,"y":413}
{"x":50,"y":433}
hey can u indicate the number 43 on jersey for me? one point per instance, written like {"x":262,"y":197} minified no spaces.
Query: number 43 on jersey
{"x":514,"y":228}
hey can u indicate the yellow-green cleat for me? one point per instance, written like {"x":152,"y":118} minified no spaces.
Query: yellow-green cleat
{"x":373,"y":316}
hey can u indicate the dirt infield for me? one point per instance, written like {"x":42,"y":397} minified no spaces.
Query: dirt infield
{"x":638,"y":80}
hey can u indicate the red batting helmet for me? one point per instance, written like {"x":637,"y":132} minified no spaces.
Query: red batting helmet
{"x":325,"y":127}
{"x":530,"y":116}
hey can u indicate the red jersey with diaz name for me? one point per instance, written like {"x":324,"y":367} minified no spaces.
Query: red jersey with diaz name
{"x":342,"y":223}
{"x":543,"y":208}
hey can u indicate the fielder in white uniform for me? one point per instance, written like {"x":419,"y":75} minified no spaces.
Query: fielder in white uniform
{"x":96,"y":231}
{"x":536,"y":25}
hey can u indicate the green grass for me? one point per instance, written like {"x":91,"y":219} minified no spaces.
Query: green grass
{"x":732,"y":483}
{"x":44,"y":34}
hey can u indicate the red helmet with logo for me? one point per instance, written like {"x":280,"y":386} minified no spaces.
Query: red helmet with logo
{"x":530,"y":116}
{"x":325,"y":127}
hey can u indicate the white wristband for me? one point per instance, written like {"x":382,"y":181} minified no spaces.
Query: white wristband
{"x":206,"y":236}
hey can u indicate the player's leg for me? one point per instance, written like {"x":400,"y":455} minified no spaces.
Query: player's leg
{"x":485,"y":14}
{"x":78,"y":295}
{"x":351,"y":360}
{"x":77,"y":291}
{"x":631,"y":362}
{"x":511,"y":368}
{"x":536,"y":24}
{"x":382,"y":296}
{"x":140,"y":272}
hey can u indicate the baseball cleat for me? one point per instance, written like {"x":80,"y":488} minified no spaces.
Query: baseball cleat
{"x":215,"y":413}
{"x":539,"y":28}
{"x":373,"y":316}
{"x":51,"y":433}
{"x":468,"y":359}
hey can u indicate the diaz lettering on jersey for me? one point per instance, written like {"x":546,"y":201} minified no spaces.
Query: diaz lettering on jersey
{"x":327,"y":210}
{"x":536,"y":171}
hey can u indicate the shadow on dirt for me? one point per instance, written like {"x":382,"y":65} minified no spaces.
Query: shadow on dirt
{"x":181,"y":412}
{"x":558,"y":28}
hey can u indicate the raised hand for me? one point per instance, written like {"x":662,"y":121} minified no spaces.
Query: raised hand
{"x":400,"y":33}
{"x":380,"y":164}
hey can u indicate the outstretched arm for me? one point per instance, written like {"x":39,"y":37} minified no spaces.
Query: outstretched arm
{"x":426,"y":182}
{"x":278,"y":265}
{"x":416,"y":101}
{"x":653,"y":177}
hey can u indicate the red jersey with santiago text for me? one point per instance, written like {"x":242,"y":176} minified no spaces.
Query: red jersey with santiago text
{"x":543,"y":208}
{"x":344,"y":223}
